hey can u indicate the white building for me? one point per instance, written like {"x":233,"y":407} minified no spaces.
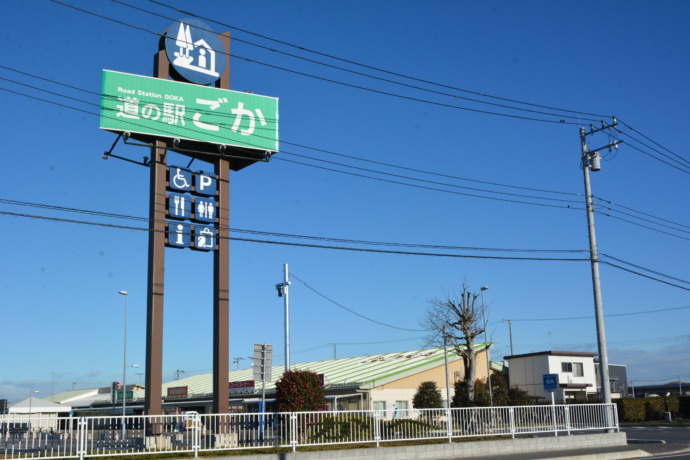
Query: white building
{"x":577,"y":381}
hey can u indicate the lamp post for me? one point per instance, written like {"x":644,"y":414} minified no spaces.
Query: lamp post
{"x":124,"y":364}
{"x":488,"y":364}
{"x":30,"y":397}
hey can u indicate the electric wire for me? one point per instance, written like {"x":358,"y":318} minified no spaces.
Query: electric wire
{"x":301,"y":48}
{"x":329,"y":80}
{"x":368,"y":89}
{"x":684,"y":160}
{"x":367,"y":250}
{"x":288,"y":235}
{"x":368,"y":75}
{"x":606,"y":315}
{"x":292,"y":275}
{"x":345,"y":172}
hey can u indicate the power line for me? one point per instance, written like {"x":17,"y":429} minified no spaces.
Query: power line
{"x":301,"y":48}
{"x":367,"y":250}
{"x":646,"y":312}
{"x":385,"y":180}
{"x":406,"y":85}
{"x":292,"y":275}
{"x":289,"y":235}
{"x":329,"y":80}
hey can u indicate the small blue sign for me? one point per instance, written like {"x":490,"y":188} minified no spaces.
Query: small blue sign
{"x":205,"y":210}
{"x":205,"y":184}
{"x":550,"y":383}
{"x":179,"y":206}
{"x":179,"y":235}
{"x":180,"y":179}
{"x":195,"y":51}
{"x":204,"y":238}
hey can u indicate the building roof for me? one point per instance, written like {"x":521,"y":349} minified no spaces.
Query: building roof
{"x":362,"y":372}
{"x":554,"y":353}
{"x":37,"y":406}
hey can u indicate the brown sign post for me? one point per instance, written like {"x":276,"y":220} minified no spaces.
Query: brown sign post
{"x":156,"y":259}
{"x":229,"y":129}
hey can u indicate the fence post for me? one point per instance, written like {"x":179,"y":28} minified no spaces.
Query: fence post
{"x":293,"y":431}
{"x":196,"y":434}
{"x":449,"y":424}
{"x":511,"y":416}
{"x":567,"y":419}
{"x":81,"y":435}
{"x":377,"y":427}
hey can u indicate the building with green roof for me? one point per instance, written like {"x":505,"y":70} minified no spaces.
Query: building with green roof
{"x":384,"y":382}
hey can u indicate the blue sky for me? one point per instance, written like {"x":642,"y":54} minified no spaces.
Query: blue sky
{"x":436,"y":169}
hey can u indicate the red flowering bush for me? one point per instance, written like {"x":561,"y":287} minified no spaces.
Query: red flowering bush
{"x":300,"y":391}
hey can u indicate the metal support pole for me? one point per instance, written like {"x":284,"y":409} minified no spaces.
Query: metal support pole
{"x":124,"y":366}
{"x":596,"y":282}
{"x":445,"y":358}
{"x":286,"y":296}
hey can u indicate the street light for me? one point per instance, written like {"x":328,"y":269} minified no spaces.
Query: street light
{"x":31,"y":392}
{"x":124,"y":364}
{"x":486,"y":340}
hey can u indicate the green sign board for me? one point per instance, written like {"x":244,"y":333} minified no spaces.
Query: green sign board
{"x":130,"y":395}
{"x":170,"y":109}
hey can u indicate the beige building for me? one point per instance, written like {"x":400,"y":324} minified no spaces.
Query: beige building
{"x":385,"y":382}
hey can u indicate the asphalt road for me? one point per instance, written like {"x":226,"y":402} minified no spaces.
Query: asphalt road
{"x":662,"y":441}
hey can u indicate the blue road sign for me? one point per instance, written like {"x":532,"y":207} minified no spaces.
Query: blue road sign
{"x":179,"y":206}
{"x":204,"y":238}
{"x":205,"y":210}
{"x":205,"y":184}
{"x":179,"y":235}
{"x":550,"y":383}
{"x":180,"y":179}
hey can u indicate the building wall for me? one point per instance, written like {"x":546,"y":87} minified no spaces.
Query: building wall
{"x":528,"y":373}
{"x":405,"y":388}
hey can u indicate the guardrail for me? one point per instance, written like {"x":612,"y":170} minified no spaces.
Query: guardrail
{"x":82,"y":437}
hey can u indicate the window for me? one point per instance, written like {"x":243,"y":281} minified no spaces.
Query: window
{"x":574,"y":368}
{"x":380,"y":407}
{"x":401,"y":405}
{"x":578,"y":371}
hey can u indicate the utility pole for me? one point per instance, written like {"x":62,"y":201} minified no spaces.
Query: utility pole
{"x":592,"y":161}
{"x":510,"y":330}
{"x":284,"y":291}
{"x":334,"y":345}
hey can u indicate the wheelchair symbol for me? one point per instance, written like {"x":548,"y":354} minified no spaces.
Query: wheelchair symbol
{"x":180,"y":181}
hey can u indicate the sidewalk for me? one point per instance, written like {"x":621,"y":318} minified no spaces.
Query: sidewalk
{"x":634,"y":449}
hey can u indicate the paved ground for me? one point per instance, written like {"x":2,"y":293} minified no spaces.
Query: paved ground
{"x":632,"y":450}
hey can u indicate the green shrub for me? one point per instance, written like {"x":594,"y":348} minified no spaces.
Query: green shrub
{"x":631,"y":410}
{"x":684,"y":407}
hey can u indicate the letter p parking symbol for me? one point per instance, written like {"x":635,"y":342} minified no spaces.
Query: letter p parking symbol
{"x":205,"y":184}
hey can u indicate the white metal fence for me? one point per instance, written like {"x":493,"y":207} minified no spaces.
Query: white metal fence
{"x":80,"y":437}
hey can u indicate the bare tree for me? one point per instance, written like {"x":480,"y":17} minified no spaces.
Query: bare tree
{"x":460,"y":319}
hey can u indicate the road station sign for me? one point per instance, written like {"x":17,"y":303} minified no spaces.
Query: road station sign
{"x":195,"y":51}
{"x":550,"y":383}
{"x":176,"y":110}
